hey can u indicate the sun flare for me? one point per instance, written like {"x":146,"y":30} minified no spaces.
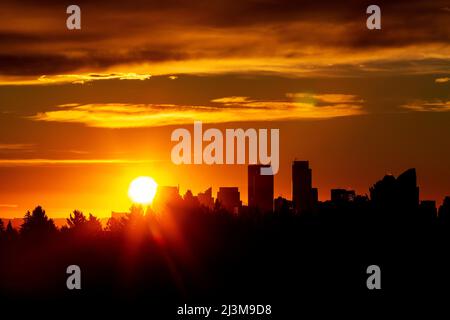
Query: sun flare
{"x":142,"y":190}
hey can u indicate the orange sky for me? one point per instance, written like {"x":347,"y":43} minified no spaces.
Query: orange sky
{"x":84,"y":112}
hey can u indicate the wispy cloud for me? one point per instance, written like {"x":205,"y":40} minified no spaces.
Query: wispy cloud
{"x":15,"y":147}
{"x":425,"y":106}
{"x":442,"y":80}
{"x":225,"y":109}
{"x":5,"y":205}
{"x":39,"y":162}
{"x":83,"y":78}
{"x":333,"y":98}
{"x":73,"y":78}
{"x":231,"y":100}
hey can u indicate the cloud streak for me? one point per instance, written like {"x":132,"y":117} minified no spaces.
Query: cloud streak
{"x":73,"y":78}
{"x":442,"y":80}
{"x":427,"y":106}
{"x":43,"y":162}
{"x":3,"y":205}
{"x":15,"y":146}
{"x":226,"y":109}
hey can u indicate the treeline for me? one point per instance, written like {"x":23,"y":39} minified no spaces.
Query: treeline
{"x":187,"y":213}
{"x":37,"y":224}
{"x":187,"y":251}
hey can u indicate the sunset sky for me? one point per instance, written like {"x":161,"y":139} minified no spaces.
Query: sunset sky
{"x":83,"y":112}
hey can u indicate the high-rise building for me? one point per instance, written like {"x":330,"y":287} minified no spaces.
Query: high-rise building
{"x":302,"y":194}
{"x":401,"y":193}
{"x":206,"y":199}
{"x":230,"y":199}
{"x":166,"y":196}
{"x":260,"y":189}
{"x":315,"y":196}
{"x":444,"y":210}
{"x":427,"y":209}
{"x":408,"y":191}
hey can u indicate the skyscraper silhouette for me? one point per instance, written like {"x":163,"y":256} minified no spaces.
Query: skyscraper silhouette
{"x":260,"y":189}
{"x":444,"y":210}
{"x":230,"y":198}
{"x":206,"y":199}
{"x":408,"y":191}
{"x":302,"y":195}
{"x":392,"y":194}
{"x":315,"y":196}
{"x":165,"y":197}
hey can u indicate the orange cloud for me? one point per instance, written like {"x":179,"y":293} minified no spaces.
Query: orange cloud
{"x":227,"y":109}
{"x":73,"y":78}
{"x":286,"y":37}
{"x":442,"y":80}
{"x":327,"y":98}
{"x":423,"y":106}
{"x":38,"y":162}
{"x":15,"y":146}
{"x":3,"y":205}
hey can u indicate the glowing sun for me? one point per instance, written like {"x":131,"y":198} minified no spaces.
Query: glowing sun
{"x":142,"y":190}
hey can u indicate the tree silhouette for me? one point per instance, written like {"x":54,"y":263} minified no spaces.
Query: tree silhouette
{"x":77,"y":220}
{"x":136,"y":219}
{"x":37,"y":224}
{"x":93,"y":224}
{"x":2,"y":226}
{"x":10,"y":232}
{"x":136,"y":212}
{"x":116,"y":225}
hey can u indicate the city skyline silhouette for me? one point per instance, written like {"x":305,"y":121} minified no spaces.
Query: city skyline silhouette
{"x":188,"y":250}
{"x":387,"y":194}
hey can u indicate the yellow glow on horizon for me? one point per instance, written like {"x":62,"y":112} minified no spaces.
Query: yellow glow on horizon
{"x":142,"y":190}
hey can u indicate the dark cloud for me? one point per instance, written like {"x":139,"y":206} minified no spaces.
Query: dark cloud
{"x":16,"y":38}
{"x":47,"y":64}
{"x":131,"y":32}
{"x":37,"y":64}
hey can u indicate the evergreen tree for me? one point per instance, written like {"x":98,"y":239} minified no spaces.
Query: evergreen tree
{"x":94,"y":224}
{"x":10,"y":232}
{"x":77,"y":220}
{"x":37,"y":224}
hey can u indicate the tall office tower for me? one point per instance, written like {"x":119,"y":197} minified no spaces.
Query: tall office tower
{"x":302,"y":195}
{"x":230,"y":199}
{"x":166,"y":197}
{"x":408,"y":191}
{"x":206,"y":199}
{"x":394,"y":194}
{"x":315,"y":196}
{"x":260,"y":189}
{"x":444,"y":210}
